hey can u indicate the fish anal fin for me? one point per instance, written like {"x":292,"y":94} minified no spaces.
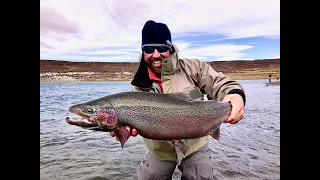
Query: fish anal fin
{"x":181,"y":146}
{"x":215,"y":133}
{"x":123,"y":134}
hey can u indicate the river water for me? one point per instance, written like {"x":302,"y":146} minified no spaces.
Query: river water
{"x":247,"y":150}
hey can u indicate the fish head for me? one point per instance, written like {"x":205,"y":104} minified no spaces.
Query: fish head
{"x":88,"y":112}
{"x":106,"y":118}
{"x":83,"y":111}
{"x":85,"y":116}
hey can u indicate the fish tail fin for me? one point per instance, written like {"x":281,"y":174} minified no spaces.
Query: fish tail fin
{"x":215,"y":134}
{"x":181,"y":146}
{"x":123,"y":135}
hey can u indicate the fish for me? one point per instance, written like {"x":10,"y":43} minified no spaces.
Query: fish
{"x":158,"y":116}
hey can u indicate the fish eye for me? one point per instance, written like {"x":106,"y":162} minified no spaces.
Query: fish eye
{"x":89,"y":110}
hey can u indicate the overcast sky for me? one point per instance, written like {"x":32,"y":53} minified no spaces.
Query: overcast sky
{"x":110,"y":30}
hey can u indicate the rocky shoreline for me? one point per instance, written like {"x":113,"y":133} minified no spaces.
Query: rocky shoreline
{"x":84,"y":77}
{"x":65,"y":71}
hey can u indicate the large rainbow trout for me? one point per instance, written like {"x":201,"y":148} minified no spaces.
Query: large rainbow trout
{"x":156,"y":116}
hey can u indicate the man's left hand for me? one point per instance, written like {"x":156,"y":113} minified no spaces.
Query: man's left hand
{"x":237,"y":110}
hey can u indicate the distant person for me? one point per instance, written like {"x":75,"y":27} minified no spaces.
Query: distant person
{"x":162,"y":71}
{"x":269,"y":78}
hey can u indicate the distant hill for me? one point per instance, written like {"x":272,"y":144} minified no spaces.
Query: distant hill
{"x":106,"y":71}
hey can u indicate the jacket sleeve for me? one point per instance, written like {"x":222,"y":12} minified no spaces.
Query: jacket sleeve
{"x":215,"y":84}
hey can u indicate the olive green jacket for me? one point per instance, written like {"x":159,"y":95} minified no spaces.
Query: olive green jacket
{"x":180,"y":75}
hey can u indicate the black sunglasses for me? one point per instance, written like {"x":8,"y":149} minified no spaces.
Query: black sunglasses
{"x":150,"y":49}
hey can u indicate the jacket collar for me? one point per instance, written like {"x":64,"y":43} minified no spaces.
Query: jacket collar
{"x":169,"y":65}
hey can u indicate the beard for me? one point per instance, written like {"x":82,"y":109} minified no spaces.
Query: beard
{"x":155,"y":70}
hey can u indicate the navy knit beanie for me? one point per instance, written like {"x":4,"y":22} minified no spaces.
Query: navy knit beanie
{"x":156,"y":33}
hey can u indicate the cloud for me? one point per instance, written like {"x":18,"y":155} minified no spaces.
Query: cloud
{"x":85,"y":30}
{"x":53,"y":22}
{"x":219,"y":51}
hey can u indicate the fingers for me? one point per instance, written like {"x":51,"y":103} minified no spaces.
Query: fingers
{"x":132,"y":131}
{"x":112,"y":134}
{"x":234,"y":120}
{"x":237,"y":111}
{"x":235,"y":117}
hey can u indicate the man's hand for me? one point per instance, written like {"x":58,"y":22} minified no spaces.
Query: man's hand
{"x":237,"y":110}
{"x":133,"y":131}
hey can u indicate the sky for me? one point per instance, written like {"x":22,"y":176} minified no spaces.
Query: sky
{"x":110,"y":30}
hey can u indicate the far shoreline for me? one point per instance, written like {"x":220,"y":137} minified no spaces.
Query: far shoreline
{"x":66,"y":71}
{"x":273,"y":82}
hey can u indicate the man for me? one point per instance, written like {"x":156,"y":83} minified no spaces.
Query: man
{"x":161,"y":71}
{"x":269,"y":78}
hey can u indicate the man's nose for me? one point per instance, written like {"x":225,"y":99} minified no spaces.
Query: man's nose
{"x":156,"y":53}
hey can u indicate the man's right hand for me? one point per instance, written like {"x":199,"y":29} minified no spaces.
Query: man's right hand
{"x":133,"y":131}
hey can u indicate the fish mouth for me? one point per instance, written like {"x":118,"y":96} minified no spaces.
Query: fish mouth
{"x":86,"y":123}
{"x":82,"y":122}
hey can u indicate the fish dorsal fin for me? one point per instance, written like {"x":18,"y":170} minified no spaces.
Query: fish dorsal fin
{"x":182,"y":95}
{"x":192,"y":95}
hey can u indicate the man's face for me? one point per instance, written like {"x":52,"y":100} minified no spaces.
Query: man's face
{"x":153,"y":57}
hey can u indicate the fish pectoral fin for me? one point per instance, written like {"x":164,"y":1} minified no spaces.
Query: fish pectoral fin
{"x":123,"y":134}
{"x":215,"y":133}
{"x":181,"y":146}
